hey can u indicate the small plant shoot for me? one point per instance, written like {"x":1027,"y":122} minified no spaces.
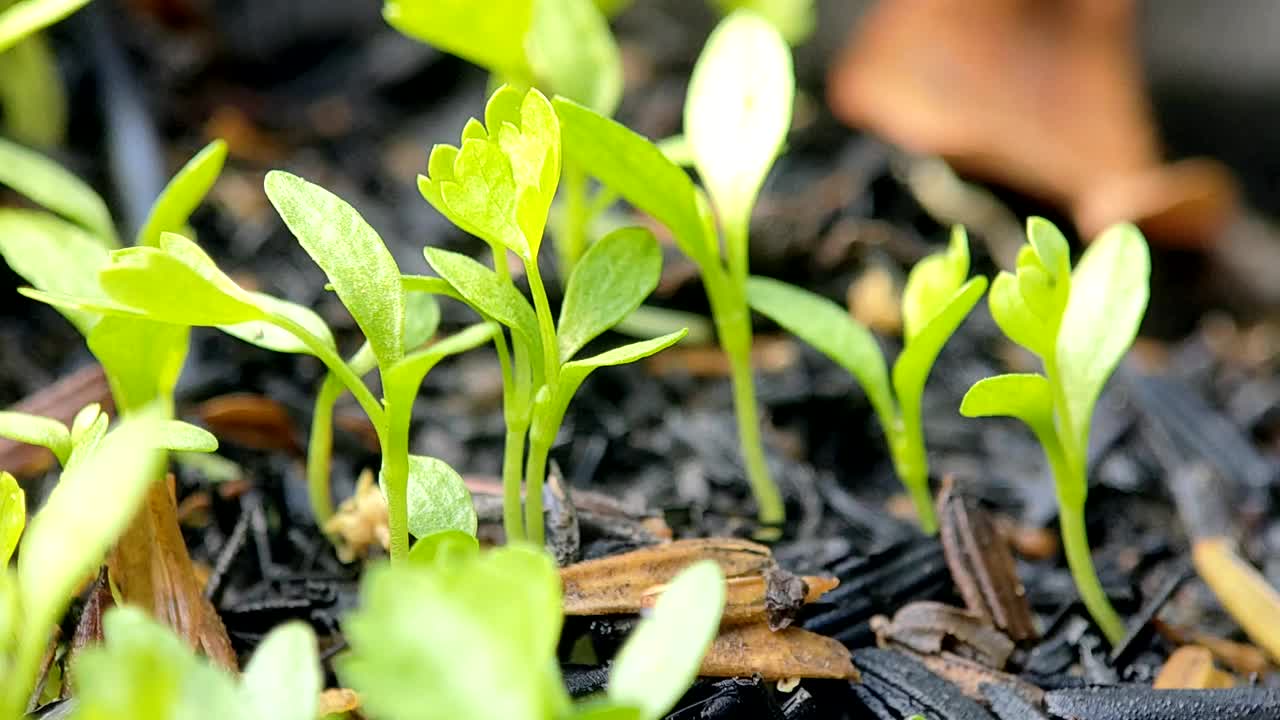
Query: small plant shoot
{"x":1080,"y":324}
{"x":938,"y":296}
{"x":735,"y":123}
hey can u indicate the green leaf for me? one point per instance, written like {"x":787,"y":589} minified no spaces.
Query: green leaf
{"x":177,"y":283}
{"x":572,"y":52}
{"x":912,"y":367}
{"x":637,"y":170}
{"x":661,"y":656}
{"x":1050,"y":246}
{"x":25,"y":17}
{"x":832,"y":331}
{"x":283,"y":680}
{"x":267,"y":335}
{"x":611,"y":279}
{"x":144,"y":671}
{"x":86,"y":433}
{"x":1015,"y":319}
{"x":88,"y":509}
{"x":1025,"y":396}
{"x":491,"y":35}
{"x":84,"y":421}
{"x":478,"y":638}
{"x":794,"y":19}
{"x":46,"y":183}
{"x":13,"y":517}
{"x":933,"y":281}
{"x":53,"y":255}
{"x":403,"y":378}
{"x":184,"y":437}
{"x":142,"y":359}
{"x":33,"y":98}
{"x":351,"y":254}
{"x":438,"y":498}
{"x":444,"y":547}
{"x":572,"y":374}
{"x":1109,"y":291}
{"x":183,"y":194}
{"x":37,"y":430}
{"x":607,"y":710}
{"x":483,"y":290}
{"x":738,"y":111}
{"x":421,"y":318}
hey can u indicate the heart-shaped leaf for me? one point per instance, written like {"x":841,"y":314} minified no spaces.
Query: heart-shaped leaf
{"x":491,"y":35}
{"x":354,"y":258}
{"x":46,"y":183}
{"x":13,"y":517}
{"x":438,"y":498}
{"x":37,"y":430}
{"x":611,"y":279}
{"x":183,"y":194}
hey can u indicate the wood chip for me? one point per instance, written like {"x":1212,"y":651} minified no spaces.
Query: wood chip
{"x":772,"y":598}
{"x":1191,"y":667}
{"x":754,"y":649}
{"x":617,"y":584}
{"x":874,"y":299}
{"x":1241,"y":589}
{"x":89,"y":627}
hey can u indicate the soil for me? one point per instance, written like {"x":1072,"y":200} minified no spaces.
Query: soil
{"x":325,"y":90}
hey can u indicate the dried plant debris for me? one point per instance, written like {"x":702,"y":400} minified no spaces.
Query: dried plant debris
{"x":1191,"y":667}
{"x":1241,"y":589}
{"x":1007,"y":704}
{"x":931,"y":627}
{"x":982,"y":566}
{"x":970,"y":676}
{"x":908,"y":688}
{"x":774,"y":597}
{"x":360,"y":522}
{"x":1240,"y":657}
{"x":1131,"y":702}
{"x":254,"y":421}
{"x":744,"y":650}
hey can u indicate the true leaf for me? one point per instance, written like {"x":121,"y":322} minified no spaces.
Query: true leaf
{"x":573,"y":373}
{"x":481,"y":196}
{"x":266,"y":334}
{"x":403,"y":378}
{"x":283,"y":680}
{"x":1015,"y":319}
{"x":1050,"y":246}
{"x":611,"y":279}
{"x":661,"y":656}
{"x":13,"y":517}
{"x":638,"y":171}
{"x":486,"y":292}
{"x":912,"y":367}
{"x":572,"y":52}
{"x":831,"y":330}
{"x":46,"y":183}
{"x":142,"y":359}
{"x":438,"y":498}
{"x":444,"y":547}
{"x":738,"y":110}
{"x":177,"y":284}
{"x":53,"y":255}
{"x":932,"y":282}
{"x":37,"y":430}
{"x":184,"y":193}
{"x":184,"y":437}
{"x":490,"y":35}
{"x":351,"y":254}
{"x":1109,"y":291}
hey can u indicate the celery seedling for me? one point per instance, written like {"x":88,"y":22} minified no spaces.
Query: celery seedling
{"x":936,"y":299}
{"x":1079,"y":323}
{"x":737,"y":114}
{"x":498,"y":186}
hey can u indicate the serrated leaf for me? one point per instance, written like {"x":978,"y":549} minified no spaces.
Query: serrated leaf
{"x":933,"y":281}
{"x":444,"y":547}
{"x":1015,"y":319}
{"x":829,"y":329}
{"x":283,"y":680}
{"x":142,"y":359}
{"x":1110,"y":288}
{"x":490,"y":35}
{"x":267,"y":335}
{"x":438,"y":498}
{"x":354,"y":258}
{"x":47,"y":184}
{"x":660,"y":659}
{"x":184,"y":437}
{"x":478,"y":637}
{"x":572,"y":52}
{"x":53,"y":255}
{"x":37,"y":430}
{"x":611,"y":279}
{"x":912,"y":367}
{"x":483,"y":290}
{"x":13,"y":517}
{"x":88,"y":509}
{"x":738,"y":111}
{"x":183,"y":194}
{"x":636,"y":169}
{"x":168,"y":289}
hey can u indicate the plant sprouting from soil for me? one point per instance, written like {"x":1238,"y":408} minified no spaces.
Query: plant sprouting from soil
{"x":737,"y":114}
{"x":1080,"y":324}
{"x":466,"y":634}
{"x":498,"y":185}
{"x":938,"y":296}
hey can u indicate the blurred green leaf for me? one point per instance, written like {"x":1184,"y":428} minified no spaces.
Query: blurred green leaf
{"x":444,"y":547}
{"x":53,"y":255}
{"x":183,"y":194}
{"x":28,"y":16}
{"x":142,"y":359}
{"x":178,"y":284}
{"x":932,"y":282}
{"x":794,"y":19}
{"x":283,"y":680}
{"x":184,"y":437}
{"x":611,"y":279}
{"x":46,"y":183}
{"x":33,"y":100}
{"x":1015,"y":319}
{"x":266,"y":334}
{"x":572,"y":53}
{"x":37,"y":430}
{"x":13,"y":518}
{"x":491,"y":34}
{"x":912,"y":367}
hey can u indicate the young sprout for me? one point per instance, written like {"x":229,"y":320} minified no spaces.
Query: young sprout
{"x":498,"y":186}
{"x":937,"y":298}
{"x":1080,"y":324}
{"x":737,"y":114}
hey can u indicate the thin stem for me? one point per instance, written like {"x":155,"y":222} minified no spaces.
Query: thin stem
{"x":906,"y":445}
{"x":513,"y":447}
{"x":334,"y":362}
{"x":395,"y":474}
{"x":1076,"y":542}
{"x":546,"y":324}
{"x":541,"y":438}
{"x":736,"y":231}
{"x":320,"y":450}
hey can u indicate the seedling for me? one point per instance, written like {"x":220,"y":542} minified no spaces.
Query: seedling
{"x":936,"y":299}
{"x":737,"y":114}
{"x":24,"y":17}
{"x":105,"y":478}
{"x":33,"y":99}
{"x":1080,"y":324}
{"x":463,"y":634}
{"x":498,"y":186}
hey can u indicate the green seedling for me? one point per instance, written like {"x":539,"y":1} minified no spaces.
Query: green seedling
{"x":737,"y":114}
{"x":463,"y":634}
{"x":937,"y":298}
{"x":33,"y":99}
{"x":1080,"y":324}
{"x":146,"y":672}
{"x":498,"y":186}
{"x":25,"y":17}
{"x":104,"y":480}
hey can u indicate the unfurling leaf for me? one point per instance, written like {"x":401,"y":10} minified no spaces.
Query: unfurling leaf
{"x":47,"y":184}
{"x":13,"y":518}
{"x":351,"y":254}
{"x":438,"y":498}
{"x":37,"y":430}
{"x":184,"y":193}
{"x":1015,"y":319}
{"x":611,"y":279}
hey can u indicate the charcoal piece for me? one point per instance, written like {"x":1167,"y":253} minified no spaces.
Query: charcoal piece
{"x":872,"y":703}
{"x":888,"y":673}
{"x":1140,"y":626}
{"x":728,"y":699}
{"x":802,"y":705}
{"x":1008,"y":704}
{"x":583,"y":680}
{"x":1135,"y":702}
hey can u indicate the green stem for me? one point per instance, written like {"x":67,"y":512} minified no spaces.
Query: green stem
{"x":320,"y":449}
{"x":574,"y":219}
{"x":513,"y":446}
{"x":395,"y":475}
{"x":906,"y":446}
{"x":334,"y":362}
{"x":541,"y":437}
{"x":546,"y":324}
{"x":1076,"y":542}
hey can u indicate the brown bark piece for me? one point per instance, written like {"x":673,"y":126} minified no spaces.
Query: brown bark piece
{"x":932,"y":627}
{"x":151,"y":567}
{"x":1191,"y":667}
{"x":60,"y":401}
{"x":747,"y":598}
{"x":744,"y":650}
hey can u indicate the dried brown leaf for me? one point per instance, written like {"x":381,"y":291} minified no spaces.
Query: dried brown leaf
{"x":791,"y":653}
{"x":254,"y":421}
{"x":1241,"y":589}
{"x":1191,"y":667}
